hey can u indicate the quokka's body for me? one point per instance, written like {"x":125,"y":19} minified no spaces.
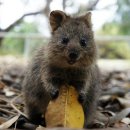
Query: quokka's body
{"x":68,"y":59}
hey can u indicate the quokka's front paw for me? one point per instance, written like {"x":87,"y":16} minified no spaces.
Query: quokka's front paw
{"x":54,"y":93}
{"x":81,"y":98}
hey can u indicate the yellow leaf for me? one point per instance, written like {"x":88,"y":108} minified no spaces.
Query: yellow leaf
{"x":65,"y":111}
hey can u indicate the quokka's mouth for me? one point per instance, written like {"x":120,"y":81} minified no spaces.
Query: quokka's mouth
{"x":71,"y":62}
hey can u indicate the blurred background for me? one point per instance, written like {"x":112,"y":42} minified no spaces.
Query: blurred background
{"x":24,"y":25}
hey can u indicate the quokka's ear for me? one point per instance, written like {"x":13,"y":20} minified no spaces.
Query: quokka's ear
{"x":87,"y":19}
{"x":57,"y":18}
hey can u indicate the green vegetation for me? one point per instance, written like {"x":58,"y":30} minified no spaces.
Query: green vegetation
{"x":12,"y":46}
{"x":121,"y":23}
{"x":119,"y":26}
{"x":15,"y":46}
{"x":120,"y":50}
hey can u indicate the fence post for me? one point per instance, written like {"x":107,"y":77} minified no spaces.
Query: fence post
{"x":26,"y":47}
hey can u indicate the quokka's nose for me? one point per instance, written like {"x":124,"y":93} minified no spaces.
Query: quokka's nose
{"x":73,"y":55}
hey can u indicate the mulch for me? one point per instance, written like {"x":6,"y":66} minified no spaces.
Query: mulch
{"x":113,"y":108}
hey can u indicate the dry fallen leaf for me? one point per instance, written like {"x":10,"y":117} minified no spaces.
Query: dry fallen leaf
{"x":109,"y":128}
{"x":126,"y":120}
{"x":9,"y":123}
{"x":65,"y":111}
{"x":2,"y":85}
{"x":2,"y":120}
{"x":124,"y":102}
{"x":8,"y":92}
{"x":40,"y":128}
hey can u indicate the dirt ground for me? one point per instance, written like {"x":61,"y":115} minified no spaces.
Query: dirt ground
{"x":113,"y":110}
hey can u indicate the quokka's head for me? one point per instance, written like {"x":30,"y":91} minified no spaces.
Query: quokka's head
{"x":72,"y":42}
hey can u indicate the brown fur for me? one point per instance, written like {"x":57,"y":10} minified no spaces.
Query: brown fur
{"x":52,"y":66}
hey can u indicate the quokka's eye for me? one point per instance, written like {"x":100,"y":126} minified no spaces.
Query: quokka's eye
{"x":83,"y":42}
{"x":65,"y":40}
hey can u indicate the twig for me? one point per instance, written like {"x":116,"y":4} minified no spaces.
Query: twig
{"x":19,"y":20}
{"x":12,"y":104}
{"x":3,"y":119}
{"x":6,"y":111}
{"x":4,"y":99}
{"x":15,"y":90}
{"x":92,"y":5}
{"x":5,"y":106}
{"x":15,"y":125}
